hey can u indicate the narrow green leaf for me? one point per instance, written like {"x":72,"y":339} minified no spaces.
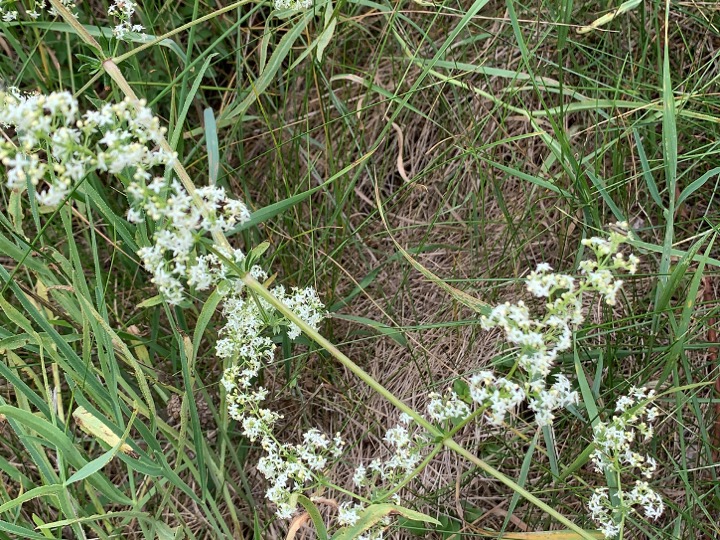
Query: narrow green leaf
{"x":213,"y":147}
{"x":594,"y":417}
{"x":697,"y":184}
{"x":314,"y":514}
{"x":20,"y":532}
{"x":140,"y":516}
{"x":92,"y":467}
{"x":327,"y":34}
{"x":188,"y":101}
{"x":187,"y":362}
{"x":522,"y":479}
{"x":151,"y":302}
{"x":669,"y":141}
{"x":646,"y":171}
{"x":528,"y":177}
{"x":99,"y":462}
{"x":208,"y":310}
{"x":257,"y":530}
{"x":264,"y":44}
{"x":675,"y":278}
{"x":551,"y":447}
{"x":599,"y":185}
{"x":393,"y":333}
{"x":40,"y":491}
{"x":688,"y":312}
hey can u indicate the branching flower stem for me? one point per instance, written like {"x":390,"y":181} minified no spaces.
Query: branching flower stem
{"x":116,"y":75}
{"x":436,"y":433}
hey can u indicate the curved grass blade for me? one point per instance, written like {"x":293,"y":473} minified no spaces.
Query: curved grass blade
{"x":54,"y":437}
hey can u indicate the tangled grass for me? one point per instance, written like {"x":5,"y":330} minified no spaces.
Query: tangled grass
{"x":286,"y":271}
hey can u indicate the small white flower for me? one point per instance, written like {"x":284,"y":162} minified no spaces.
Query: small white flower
{"x":124,"y":10}
{"x":499,"y":395}
{"x":360,"y":476}
{"x":445,"y":408}
{"x":613,"y":452}
{"x":349,"y":513}
{"x":397,"y":436}
{"x":293,"y":4}
{"x":134,"y":216}
{"x":405,"y":418}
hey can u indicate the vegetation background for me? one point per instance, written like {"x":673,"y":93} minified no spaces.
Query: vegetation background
{"x":481,"y":137}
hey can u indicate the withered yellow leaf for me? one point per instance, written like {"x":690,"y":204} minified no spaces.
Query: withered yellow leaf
{"x":605,"y":19}
{"x":93,"y":426}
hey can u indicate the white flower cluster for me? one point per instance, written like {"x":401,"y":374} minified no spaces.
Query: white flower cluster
{"x":8,"y":15}
{"x":289,"y":467}
{"x":36,"y":9}
{"x":123,"y":10}
{"x":305,"y":303}
{"x":247,"y":345}
{"x":249,"y":348}
{"x":295,"y":5}
{"x":539,"y":340}
{"x":406,"y":442}
{"x":441,"y":408}
{"x":498,"y":395}
{"x":599,"y":273}
{"x":58,"y":147}
{"x":184,"y":221}
{"x":614,"y":454}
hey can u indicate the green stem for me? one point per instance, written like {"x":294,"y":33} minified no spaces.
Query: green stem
{"x":89,"y":83}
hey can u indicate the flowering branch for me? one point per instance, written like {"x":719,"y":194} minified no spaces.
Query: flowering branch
{"x":254,"y":285}
{"x":438,"y":434}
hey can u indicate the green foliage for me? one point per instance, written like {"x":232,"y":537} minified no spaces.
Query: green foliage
{"x":392,"y":154}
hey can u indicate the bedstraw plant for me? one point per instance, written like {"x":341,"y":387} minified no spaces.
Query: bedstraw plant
{"x":58,"y":146}
{"x":104,"y":201}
